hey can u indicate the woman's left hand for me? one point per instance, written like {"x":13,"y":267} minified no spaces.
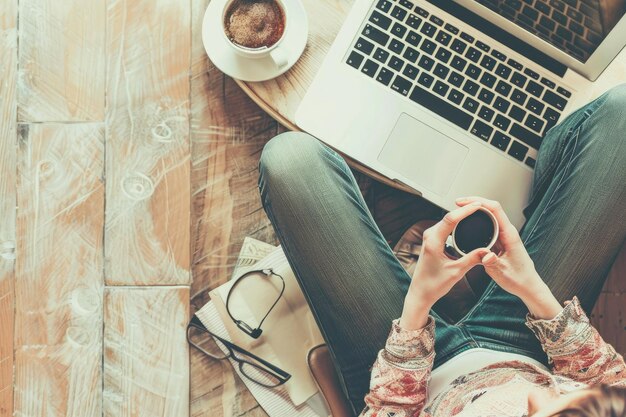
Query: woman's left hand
{"x":436,"y":273}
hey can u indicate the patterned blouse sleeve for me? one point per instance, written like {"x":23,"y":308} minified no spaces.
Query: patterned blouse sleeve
{"x":399,"y":381}
{"x":576,"y":349}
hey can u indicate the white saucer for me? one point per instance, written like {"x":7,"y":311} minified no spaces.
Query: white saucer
{"x":228,"y":61}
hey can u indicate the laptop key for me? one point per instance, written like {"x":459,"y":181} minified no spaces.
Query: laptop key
{"x":354,"y":59}
{"x":364,"y":46}
{"x":470,"y":105}
{"x":518,"y":151}
{"x":473,"y":54}
{"x":551,"y":117}
{"x":426,"y":63}
{"x":473,"y":71}
{"x":436,"y":20}
{"x":518,"y":79}
{"x":369,"y":68}
{"x":451,"y":29}
{"x":413,"y":21}
{"x":381,"y":55}
{"x":384,"y":5}
{"x":441,"y":107}
{"x":401,"y":85}
{"x":399,"y":13}
{"x":396,"y":46}
{"x":410,"y":71}
{"x":482,"y":130}
{"x":428,"y":29}
{"x":530,"y":162}
{"x":443,"y":55}
{"x":428,"y":46}
{"x":443,"y":38}
{"x":517,"y":113}
{"x":380,"y":19}
{"x":535,"y":88}
{"x":375,"y":34}
{"x":535,"y":106}
{"x":396,"y":63}
{"x":547,"y":83}
{"x":398,"y":30}
{"x":384,"y":76}
{"x":456,"y":79}
{"x":421,"y":12}
{"x":501,"y":104}
{"x":519,"y":96}
{"x":456,"y":96}
{"x":488,"y":62}
{"x":425,"y":79}
{"x":525,"y":135}
{"x":467,"y":37}
{"x":486,"y":96}
{"x":406,"y":3}
{"x":534,"y":123}
{"x":471,"y":87}
{"x":440,"y":88}
{"x":563,"y":92}
{"x":458,"y":46}
{"x":502,"y":122}
{"x":503,"y":88}
{"x":488,"y":79}
{"x":482,"y":46}
{"x":499,"y":55}
{"x":441,"y":71}
{"x":531,"y":73}
{"x":413,"y":38}
{"x":458,"y":63}
{"x":554,"y":100}
{"x":500,"y":140}
{"x":503,"y":71}
{"x":410,"y":54}
{"x":486,"y":113}
{"x":515,"y":64}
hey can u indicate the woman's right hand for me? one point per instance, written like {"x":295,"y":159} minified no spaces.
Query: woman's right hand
{"x":512,"y":268}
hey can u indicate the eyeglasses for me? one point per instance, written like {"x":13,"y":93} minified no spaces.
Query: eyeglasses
{"x":243,"y":326}
{"x":251,"y":366}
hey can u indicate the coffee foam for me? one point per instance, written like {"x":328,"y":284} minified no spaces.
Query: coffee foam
{"x":254,"y":23}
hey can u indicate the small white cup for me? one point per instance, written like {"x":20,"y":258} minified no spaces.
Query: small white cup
{"x":279,"y":57}
{"x":494,"y":238}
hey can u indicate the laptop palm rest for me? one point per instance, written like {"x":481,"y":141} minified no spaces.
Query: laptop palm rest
{"x":423,"y":154}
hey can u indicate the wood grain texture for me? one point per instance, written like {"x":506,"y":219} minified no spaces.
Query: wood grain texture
{"x":8,"y":156}
{"x":59,"y":282}
{"x":61,"y":60}
{"x":146,"y":361}
{"x":228,"y":132}
{"x":609,"y":317}
{"x":147,"y":158}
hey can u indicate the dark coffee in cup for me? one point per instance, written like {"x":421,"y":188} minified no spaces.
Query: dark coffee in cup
{"x":475,"y":231}
{"x":254,"y":24}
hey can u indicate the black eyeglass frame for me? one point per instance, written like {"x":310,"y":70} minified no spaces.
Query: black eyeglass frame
{"x":255,"y":333}
{"x":233,"y":349}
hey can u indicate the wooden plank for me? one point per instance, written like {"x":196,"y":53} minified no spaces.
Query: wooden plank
{"x":146,"y":361}
{"x":147,"y":157}
{"x":609,"y":317}
{"x":61,"y":60}
{"x":228,"y":132}
{"x":59,"y":282}
{"x":8,"y":156}
{"x":616,"y":281}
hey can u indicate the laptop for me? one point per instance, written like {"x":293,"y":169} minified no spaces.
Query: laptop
{"x":453,"y":98}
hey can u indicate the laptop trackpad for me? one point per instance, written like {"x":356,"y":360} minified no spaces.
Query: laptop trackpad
{"x":423,"y":154}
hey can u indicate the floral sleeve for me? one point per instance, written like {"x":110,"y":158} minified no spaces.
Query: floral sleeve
{"x":400,"y":375}
{"x":576,"y":349}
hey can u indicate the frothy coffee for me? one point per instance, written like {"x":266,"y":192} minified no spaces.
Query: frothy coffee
{"x":254,"y":23}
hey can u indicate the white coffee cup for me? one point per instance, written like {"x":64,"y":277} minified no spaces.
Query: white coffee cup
{"x":279,"y":57}
{"x":484,"y":244}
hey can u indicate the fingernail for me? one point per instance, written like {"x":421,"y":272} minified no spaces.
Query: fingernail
{"x":461,"y":199}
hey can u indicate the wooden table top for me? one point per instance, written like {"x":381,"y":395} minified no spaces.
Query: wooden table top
{"x":280,"y":97}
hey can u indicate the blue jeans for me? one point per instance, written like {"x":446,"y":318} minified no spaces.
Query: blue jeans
{"x":576,"y":224}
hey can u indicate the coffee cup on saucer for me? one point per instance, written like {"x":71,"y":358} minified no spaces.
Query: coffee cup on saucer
{"x":254,"y":40}
{"x":256,"y":28}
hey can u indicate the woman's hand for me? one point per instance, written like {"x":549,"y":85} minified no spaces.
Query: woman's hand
{"x":436,"y":273}
{"x":512,"y":268}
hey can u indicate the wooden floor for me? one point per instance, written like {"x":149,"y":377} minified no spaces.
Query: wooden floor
{"x":132,"y":163}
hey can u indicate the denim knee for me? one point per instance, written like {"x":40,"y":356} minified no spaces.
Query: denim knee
{"x":614,"y":108}
{"x":289,"y":154}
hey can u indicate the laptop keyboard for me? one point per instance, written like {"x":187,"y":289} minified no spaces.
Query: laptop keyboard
{"x":462,"y":79}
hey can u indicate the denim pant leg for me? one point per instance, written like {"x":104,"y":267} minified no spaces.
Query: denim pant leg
{"x":351,"y":279}
{"x":576,"y":221}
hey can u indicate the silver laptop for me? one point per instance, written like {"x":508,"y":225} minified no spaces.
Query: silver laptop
{"x":452,"y":98}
